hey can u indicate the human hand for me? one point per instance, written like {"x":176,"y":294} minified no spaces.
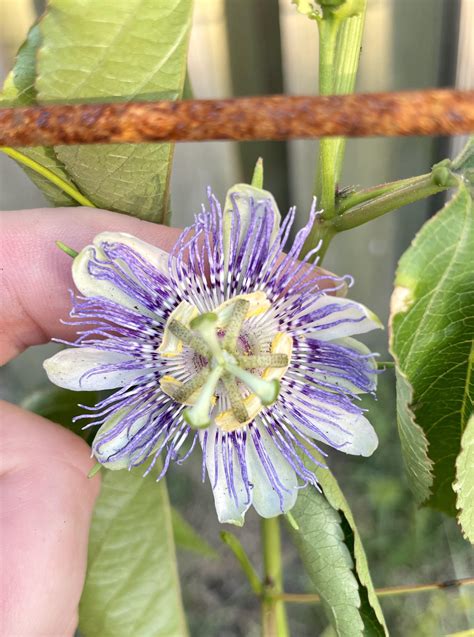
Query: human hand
{"x":46,"y":499}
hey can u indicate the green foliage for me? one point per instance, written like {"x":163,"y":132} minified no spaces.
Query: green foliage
{"x":187,"y":538}
{"x":132,"y":585}
{"x":464,"y":485}
{"x":332,"y":552}
{"x":19,"y":90}
{"x":61,"y":406}
{"x":120,"y":51}
{"x":432,"y":318}
{"x":464,"y":163}
{"x":413,"y":441}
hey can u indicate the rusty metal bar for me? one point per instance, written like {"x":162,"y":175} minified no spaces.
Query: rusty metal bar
{"x":276,"y":117}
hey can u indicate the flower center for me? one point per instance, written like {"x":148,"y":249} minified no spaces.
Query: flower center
{"x":224,"y":363}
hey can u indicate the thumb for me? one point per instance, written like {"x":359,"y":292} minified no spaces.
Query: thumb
{"x":46,"y":506}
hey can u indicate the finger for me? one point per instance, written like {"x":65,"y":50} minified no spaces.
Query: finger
{"x":46,"y":505}
{"x":37,"y":275}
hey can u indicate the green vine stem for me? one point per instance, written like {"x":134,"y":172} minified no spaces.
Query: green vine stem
{"x":340,"y":27}
{"x":47,"y":174}
{"x":340,"y":38}
{"x":361,"y":196}
{"x":390,"y":199}
{"x":325,"y":189}
{"x":360,"y":207}
{"x":274,"y":621}
{"x":346,"y":64}
{"x":303,"y":598}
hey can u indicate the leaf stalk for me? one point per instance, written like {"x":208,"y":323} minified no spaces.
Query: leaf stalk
{"x":387,"y":591}
{"x":239,"y":552}
{"x":47,"y":174}
{"x":379,"y":201}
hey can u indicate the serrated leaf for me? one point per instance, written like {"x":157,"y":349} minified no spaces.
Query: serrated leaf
{"x":332,"y":552}
{"x":116,"y":50}
{"x":19,"y":86}
{"x":464,"y":164}
{"x":413,"y":441}
{"x":465,"y":160}
{"x":188,"y":538}
{"x":132,"y":585}
{"x":371,"y":610}
{"x":432,"y":317}
{"x":464,"y":485}
{"x":19,"y":90}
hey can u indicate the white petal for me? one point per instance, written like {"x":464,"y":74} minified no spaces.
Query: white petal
{"x":68,"y":367}
{"x":106,"y":450}
{"x":328,"y":375}
{"x":355,"y":319}
{"x":154,"y":255}
{"x":364,"y":441}
{"x":350,"y":433}
{"x":265,"y":499}
{"x":228,"y":511}
{"x":244,"y":193}
{"x":91,"y":286}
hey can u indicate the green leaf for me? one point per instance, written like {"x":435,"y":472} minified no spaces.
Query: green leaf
{"x":116,"y":51}
{"x":465,"y":160}
{"x":332,"y":552}
{"x":19,"y":90}
{"x":464,"y":164}
{"x":464,"y":485}
{"x":61,"y":406}
{"x":132,"y":585}
{"x":413,"y":441}
{"x":432,"y":317}
{"x":19,"y":86}
{"x":188,"y":538}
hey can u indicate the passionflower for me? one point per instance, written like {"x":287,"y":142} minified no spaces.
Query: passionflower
{"x":227,"y":341}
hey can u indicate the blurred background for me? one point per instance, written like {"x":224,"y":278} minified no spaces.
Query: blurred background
{"x":408,"y":44}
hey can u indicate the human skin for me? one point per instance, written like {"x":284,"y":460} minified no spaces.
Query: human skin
{"x":46,"y":499}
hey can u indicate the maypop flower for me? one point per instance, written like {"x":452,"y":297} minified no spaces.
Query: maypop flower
{"x":228,"y":341}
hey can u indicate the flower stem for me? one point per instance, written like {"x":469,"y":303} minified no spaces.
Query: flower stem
{"x":274,"y":621}
{"x":47,"y":174}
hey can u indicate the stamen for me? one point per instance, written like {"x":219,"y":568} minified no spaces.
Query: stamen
{"x":181,"y":392}
{"x":267,"y":391}
{"x":198,"y":416}
{"x":263,"y":360}
{"x":234,"y":326}
{"x":236,"y":401}
{"x":193,"y":384}
{"x":206,"y":325}
{"x":184,"y":334}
